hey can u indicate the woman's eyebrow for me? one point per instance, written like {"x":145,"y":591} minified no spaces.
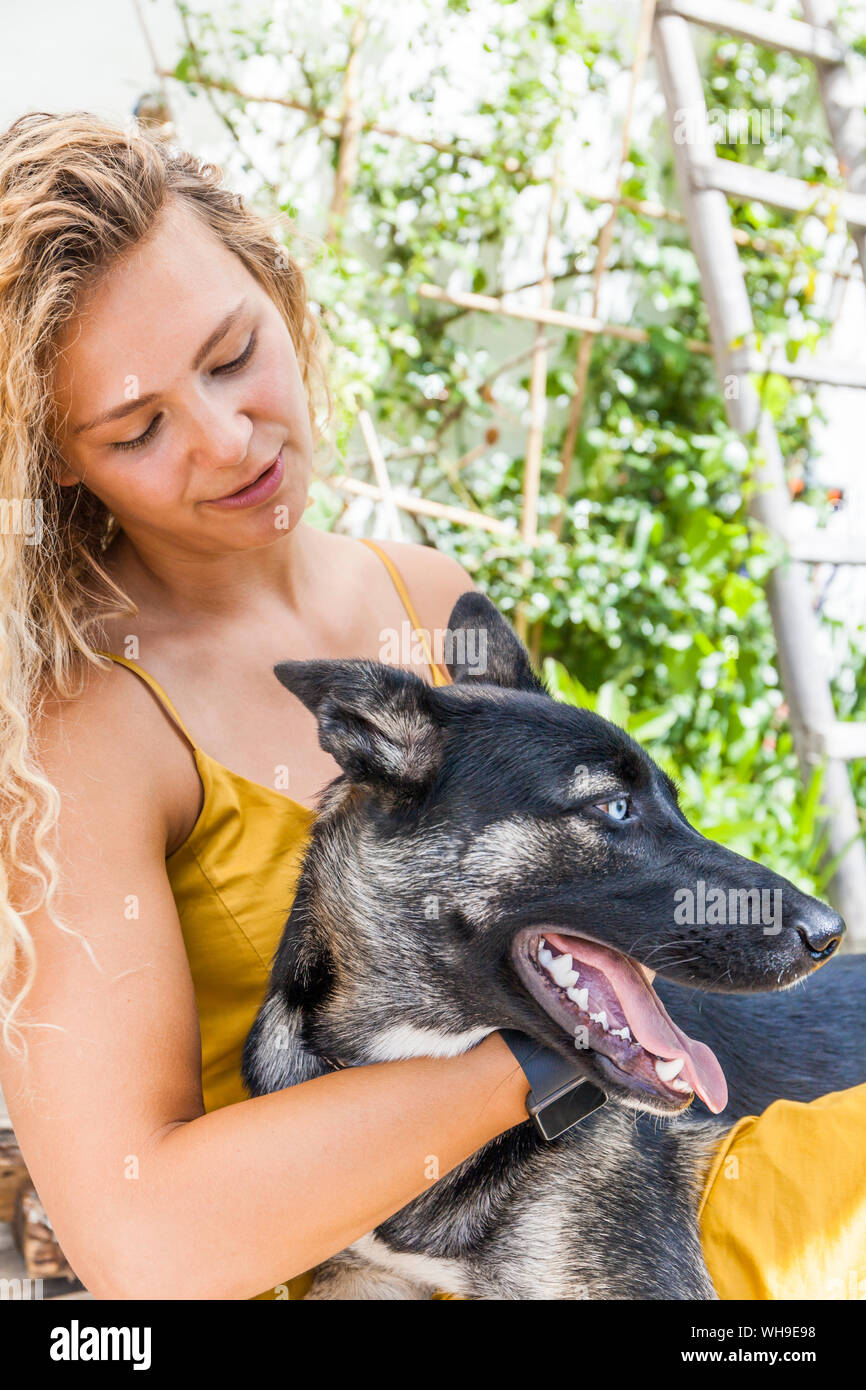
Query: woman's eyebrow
{"x":127,"y":408}
{"x":218,"y":334}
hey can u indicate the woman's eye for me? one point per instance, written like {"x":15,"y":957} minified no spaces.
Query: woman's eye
{"x":617,"y":810}
{"x":225,"y":370}
{"x":141,"y":438}
{"x":235,"y":365}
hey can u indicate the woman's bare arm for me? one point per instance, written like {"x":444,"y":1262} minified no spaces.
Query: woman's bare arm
{"x":150,"y":1196}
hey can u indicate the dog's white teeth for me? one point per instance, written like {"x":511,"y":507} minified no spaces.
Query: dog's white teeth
{"x":562,"y":972}
{"x":680,"y":1085}
{"x":600,"y":1017}
{"x":621,"y":1033}
{"x":559,"y":968}
{"x":580,"y":997}
{"x":666,"y":1071}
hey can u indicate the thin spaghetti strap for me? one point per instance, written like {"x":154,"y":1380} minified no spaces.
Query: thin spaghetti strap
{"x":436,"y":671}
{"x":157,"y":690}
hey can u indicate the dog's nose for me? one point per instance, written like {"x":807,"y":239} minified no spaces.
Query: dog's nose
{"x":821,"y":930}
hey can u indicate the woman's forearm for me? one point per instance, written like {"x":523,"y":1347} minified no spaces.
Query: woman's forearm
{"x":246,"y":1197}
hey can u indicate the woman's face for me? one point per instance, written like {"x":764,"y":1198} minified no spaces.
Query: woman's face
{"x":178,"y":384}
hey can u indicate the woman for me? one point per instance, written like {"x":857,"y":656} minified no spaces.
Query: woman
{"x":158,"y":356}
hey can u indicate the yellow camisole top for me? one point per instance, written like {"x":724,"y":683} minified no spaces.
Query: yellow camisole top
{"x":233,"y":880}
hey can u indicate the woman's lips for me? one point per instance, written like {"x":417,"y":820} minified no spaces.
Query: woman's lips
{"x":257,"y":491}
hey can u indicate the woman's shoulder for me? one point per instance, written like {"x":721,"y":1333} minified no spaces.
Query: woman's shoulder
{"x":427,"y":560}
{"x":111,"y":739}
{"x":433,"y":579}
{"x":100,"y":701}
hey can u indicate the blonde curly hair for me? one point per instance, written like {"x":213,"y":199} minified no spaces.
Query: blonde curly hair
{"x":76,"y":193}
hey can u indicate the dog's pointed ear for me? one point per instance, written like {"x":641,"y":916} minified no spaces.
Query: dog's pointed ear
{"x":483,"y":647}
{"x":379,"y":722}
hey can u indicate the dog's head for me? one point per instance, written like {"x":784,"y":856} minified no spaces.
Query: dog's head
{"x":493,"y":858}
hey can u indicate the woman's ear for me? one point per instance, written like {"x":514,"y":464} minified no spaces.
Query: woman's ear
{"x":60,"y":472}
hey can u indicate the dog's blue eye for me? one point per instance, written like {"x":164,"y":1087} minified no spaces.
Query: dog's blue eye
{"x":617,"y":810}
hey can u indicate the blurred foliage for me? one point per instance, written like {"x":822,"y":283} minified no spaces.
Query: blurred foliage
{"x":652,"y":596}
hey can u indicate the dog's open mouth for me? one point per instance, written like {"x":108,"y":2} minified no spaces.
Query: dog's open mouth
{"x":605,"y":1001}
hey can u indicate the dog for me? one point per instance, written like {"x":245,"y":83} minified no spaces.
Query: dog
{"x":492,"y":858}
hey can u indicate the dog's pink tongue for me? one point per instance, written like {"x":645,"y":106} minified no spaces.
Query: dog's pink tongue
{"x":648,"y":1019}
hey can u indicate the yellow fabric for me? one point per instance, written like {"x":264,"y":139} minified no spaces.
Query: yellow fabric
{"x":439,"y":677}
{"x":783,"y":1214}
{"x":233,"y":880}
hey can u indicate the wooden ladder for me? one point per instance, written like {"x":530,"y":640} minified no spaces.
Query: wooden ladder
{"x":705,"y":182}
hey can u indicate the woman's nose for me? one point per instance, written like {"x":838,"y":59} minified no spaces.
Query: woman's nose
{"x":221,"y":440}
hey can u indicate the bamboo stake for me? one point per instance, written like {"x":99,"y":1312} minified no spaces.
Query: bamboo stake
{"x":383,"y":480}
{"x":605,"y":241}
{"x":538,"y":378}
{"x":537,"y":402}
{"x":405,"y":452}
{"x":558,"y":318}
{"x":350,"y":127}
{"x":422,"y":506}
